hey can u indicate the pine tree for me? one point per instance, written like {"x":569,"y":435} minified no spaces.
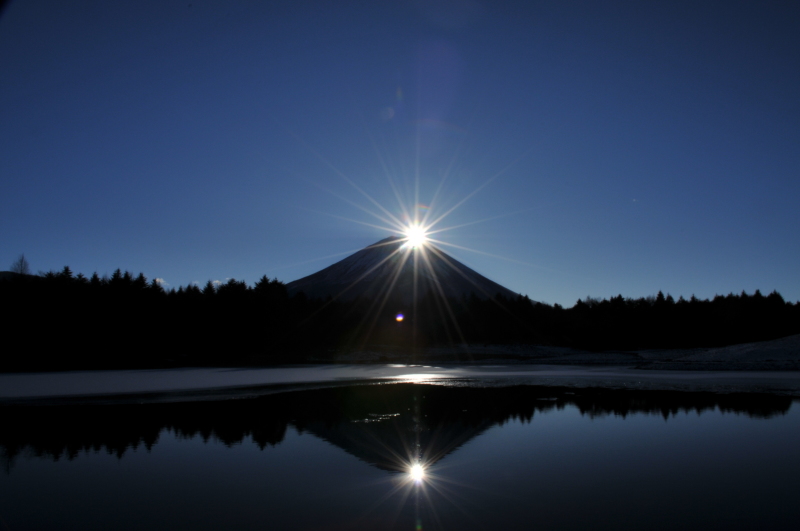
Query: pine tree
{"x":209,"y":289}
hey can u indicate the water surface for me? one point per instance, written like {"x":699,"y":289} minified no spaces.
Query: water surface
{"x":512,"y":457}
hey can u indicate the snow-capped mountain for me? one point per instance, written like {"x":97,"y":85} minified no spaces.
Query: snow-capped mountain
{"x":389,"y":266}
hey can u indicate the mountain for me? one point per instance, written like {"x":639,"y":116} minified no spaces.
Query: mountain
{"x":388,"y":268}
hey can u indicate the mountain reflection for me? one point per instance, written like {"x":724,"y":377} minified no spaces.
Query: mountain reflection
{"x":390,"y":426}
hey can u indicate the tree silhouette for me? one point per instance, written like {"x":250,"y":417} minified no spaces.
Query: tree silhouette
{"x":21,"y":266}
{"x":262,"y":324}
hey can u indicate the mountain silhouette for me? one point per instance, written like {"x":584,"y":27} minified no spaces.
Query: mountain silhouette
{"x":390,"y":268}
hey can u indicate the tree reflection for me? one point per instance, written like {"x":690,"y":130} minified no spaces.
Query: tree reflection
{"x":394,"y":427}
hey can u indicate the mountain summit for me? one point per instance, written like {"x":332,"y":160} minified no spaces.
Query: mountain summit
{"x":392,"y":268}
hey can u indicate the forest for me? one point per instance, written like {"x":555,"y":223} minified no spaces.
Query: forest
{"x":67,"y":321}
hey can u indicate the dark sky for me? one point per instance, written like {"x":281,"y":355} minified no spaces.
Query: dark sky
{"x":591,"y":148}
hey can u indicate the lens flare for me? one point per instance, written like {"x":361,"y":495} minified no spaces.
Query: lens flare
{"x":399,"y":318}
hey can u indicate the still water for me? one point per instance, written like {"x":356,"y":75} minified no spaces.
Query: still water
{"x":406,"y":456}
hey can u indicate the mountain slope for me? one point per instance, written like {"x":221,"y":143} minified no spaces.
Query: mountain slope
{"x":388,"y":267}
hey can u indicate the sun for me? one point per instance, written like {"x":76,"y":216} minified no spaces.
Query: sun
{"x":416,"y":236}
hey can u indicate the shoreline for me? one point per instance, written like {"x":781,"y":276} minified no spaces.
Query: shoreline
{"x":776,"y":355}
{"x":771,"y":367}
{"x":780,"y":355}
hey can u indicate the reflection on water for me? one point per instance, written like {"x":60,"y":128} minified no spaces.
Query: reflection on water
{"x":387,"y":426}
{"x":410,"y":436}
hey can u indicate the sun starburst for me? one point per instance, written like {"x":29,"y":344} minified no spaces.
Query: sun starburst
{"x":415,"y":235}
{"x":419,"y":227}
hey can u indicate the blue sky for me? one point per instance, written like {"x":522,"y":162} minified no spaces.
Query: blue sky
{"x":603,"y":147}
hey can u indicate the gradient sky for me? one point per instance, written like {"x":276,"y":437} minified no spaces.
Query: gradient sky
{"x":604,"y":147}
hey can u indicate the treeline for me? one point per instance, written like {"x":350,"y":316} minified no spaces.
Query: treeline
{"x":67,"y":321}
{"x":618,"y":323}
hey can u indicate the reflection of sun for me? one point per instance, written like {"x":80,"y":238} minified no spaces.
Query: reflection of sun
{"x":419,"y":480}
{"x":417,"y":472}
{"x":417,"y":377}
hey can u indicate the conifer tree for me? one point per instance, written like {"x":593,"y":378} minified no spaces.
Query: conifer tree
{"x":209,"y":289}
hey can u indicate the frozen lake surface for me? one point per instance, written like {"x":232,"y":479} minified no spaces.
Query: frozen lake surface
{"x":216,"y":383}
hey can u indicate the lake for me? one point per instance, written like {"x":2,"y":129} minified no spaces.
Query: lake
{"x":436,"y":454}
